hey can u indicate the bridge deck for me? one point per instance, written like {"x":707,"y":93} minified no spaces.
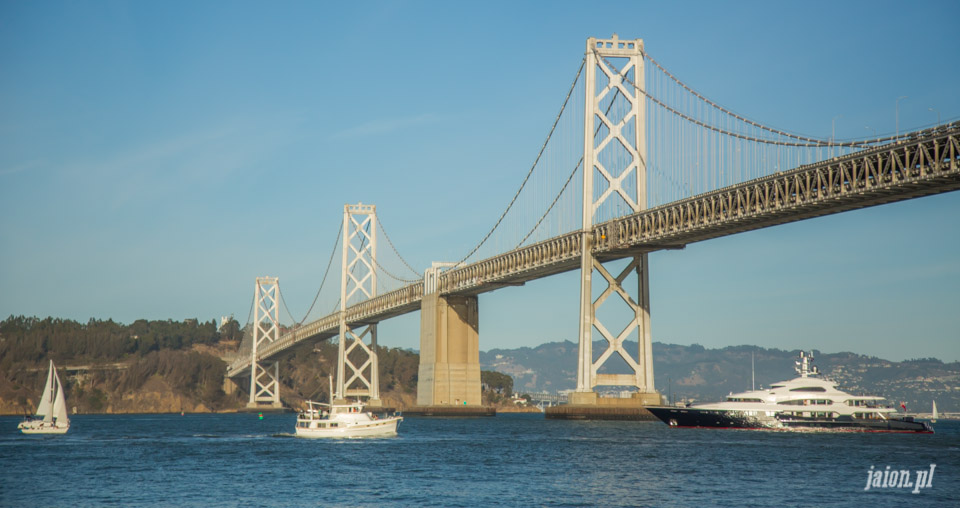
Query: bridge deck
{"x":924,"y":164}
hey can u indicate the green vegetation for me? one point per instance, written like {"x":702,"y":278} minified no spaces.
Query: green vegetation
{"x":497,"y":386}
{"x":113,"y":363}
{"x":305,"y":374}
{"x":165,"y":366}
{"x":31,"y":340}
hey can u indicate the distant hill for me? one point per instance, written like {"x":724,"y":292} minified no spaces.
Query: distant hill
{"x":170,"y":366}
{"x":695,"y":372}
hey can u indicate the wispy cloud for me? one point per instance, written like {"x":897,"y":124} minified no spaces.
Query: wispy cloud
{"x":163,"y":166}
{"x":385,"y":125}
{"x":25,"y":166}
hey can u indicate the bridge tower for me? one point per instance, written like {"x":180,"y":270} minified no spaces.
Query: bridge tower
{"x":265,"y":380}
{"x":358,"y":276}
{"x":614,"y":174}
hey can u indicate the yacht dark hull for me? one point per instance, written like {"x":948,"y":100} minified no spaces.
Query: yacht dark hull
{"x":713,"y":418}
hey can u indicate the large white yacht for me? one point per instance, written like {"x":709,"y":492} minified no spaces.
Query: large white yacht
{"x":344,"y":420}
{"x":807,"y":402}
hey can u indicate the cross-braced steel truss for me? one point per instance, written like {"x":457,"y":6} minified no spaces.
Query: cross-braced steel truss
{"x":357,"y":367}
{"x":264,"y":384}
{"x":614,"y":182}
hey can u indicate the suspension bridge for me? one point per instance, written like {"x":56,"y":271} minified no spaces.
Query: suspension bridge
{"x":636,"y":161}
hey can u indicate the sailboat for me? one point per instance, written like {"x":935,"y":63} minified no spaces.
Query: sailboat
{"x":51,"y":417}
{"x":933,"y":414}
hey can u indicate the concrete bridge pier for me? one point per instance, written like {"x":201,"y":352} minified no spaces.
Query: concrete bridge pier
{"x":449,"y":374}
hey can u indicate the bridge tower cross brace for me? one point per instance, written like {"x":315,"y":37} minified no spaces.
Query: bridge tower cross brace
{"x":264,"y":384}
{"x":614,"y":150}
{"x":358,"y":276}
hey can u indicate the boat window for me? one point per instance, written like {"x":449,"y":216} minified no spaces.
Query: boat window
{"x":776,"y":386}
{"x":809,"y":389}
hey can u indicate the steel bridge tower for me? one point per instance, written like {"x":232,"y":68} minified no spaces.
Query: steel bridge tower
{"x":358,"y":275}
{"x":614,"y":173}
{"x":265,"y":381}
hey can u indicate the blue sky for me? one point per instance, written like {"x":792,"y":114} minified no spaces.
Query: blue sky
{"x":156,"y":157}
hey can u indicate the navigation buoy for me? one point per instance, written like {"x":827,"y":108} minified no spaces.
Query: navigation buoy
{"x":260,"y":415}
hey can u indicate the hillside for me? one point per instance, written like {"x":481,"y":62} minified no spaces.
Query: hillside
{"x":169,"y":366}
{"x":694,"y":372}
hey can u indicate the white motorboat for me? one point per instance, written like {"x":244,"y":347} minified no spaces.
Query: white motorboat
{"x":51,"y":415}
{"x":344,"y":421}
{"x":804,"y":403}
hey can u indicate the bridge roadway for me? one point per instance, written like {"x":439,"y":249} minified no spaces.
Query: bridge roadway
{"x":925,"y":163}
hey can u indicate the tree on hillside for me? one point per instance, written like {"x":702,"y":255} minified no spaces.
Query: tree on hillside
{"x":497,"y":381}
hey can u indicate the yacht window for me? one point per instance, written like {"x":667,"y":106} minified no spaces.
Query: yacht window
{"x":809,"y":389}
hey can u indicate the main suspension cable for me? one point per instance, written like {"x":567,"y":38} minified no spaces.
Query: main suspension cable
{"x":526,"y":178}
{"x":812,"y":144}
{"x":613,"y":100}
{"x":325,"y":273}
{"x":404,"y":261}
{"x":725,"y":110}
{"x":544,"y":216}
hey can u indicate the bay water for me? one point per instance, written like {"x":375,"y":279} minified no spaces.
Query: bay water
{"x":215,"y":460}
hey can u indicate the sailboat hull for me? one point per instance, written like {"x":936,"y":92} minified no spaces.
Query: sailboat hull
{"x":33,"y":427}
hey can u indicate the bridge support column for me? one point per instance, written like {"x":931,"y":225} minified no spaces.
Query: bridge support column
{"x":614,"y":154}
{"x":264,"y":384}
{"x":357,"y":364}
{"x":229,"y":386}
{"x":449,"y":372}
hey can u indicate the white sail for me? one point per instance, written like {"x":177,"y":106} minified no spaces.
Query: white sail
{"x":45,"y":408}
{"x":52,"y":408}
{"x":935,"y":416}
{"x":59,"y":403}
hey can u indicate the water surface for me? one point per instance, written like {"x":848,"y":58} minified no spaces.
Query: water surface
{"x":510,"y":460}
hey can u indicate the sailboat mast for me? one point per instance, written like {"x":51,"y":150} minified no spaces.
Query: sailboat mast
{"x":753,"y":377}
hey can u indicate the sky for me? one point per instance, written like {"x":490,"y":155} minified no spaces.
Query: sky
{"x":157,"y":157}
